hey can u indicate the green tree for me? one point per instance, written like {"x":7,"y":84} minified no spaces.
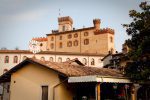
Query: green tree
{"x":139,"y":43}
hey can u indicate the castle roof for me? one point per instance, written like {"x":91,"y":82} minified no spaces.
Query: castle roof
{"x":40,"y":39}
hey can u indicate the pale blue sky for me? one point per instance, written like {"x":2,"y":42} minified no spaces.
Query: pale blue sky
{"x":21,"y":20}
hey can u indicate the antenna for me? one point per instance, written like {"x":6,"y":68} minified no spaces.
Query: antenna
{"x":59,"y":12}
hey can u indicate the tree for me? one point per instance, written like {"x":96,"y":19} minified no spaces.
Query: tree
{"x":139,"y":43}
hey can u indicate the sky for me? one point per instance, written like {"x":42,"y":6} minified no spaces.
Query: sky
{"x":21,"y":20}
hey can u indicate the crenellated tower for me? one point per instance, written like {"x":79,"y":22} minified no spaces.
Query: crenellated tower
{"x":65,"y":24}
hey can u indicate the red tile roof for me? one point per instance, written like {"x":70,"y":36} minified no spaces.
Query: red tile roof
{"x":51,"y":52}
{"x":40,"y":39}
{"x":65,"y":69}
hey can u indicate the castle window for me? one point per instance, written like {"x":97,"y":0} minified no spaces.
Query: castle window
{"x":86,"y":33}
{"x":60,"y":45}
{"x":67,"y":59}
{"x":111,"y":39}
{"x":63,"y":28}
{"x":42,"y":58}
{"x":86,"y":41}
{"x":52,"y":38}
{"x":84,"y":61}
{"x":41,"y":44}
{"x":52,"y":46}
{"x":69,"y":36}
{"x":6,"y":59}
{"x":59,"y":59}
{"x":75,"y":35}
{"x":15,"y":59}
{"x":75,"y":43}
{"x":69,"y":44}
{"x":92,"y":61}
{"x":60,"y":38}
{"x":51,"y":59}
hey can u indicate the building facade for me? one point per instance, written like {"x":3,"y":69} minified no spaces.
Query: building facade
{"x":84,"y":40}
{"x":89,"y":45}
{"x":10,"y":58}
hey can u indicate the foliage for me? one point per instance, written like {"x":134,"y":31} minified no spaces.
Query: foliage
{"x":139,"y":43}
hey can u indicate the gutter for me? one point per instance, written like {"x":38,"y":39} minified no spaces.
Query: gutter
{"x":57,"y":86}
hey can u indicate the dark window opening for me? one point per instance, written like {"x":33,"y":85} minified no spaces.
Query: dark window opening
{"x":44,"y":92}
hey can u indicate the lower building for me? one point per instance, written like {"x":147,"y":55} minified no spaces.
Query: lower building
{"x":34,"y":79}
{"x":10,"y":58}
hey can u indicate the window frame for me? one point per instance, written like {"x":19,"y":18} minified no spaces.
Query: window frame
{"x":75,"y":43}
{"x":44,"y":96}
{"x":86,"y":41}
{"x":51,"y":59}
{"x":86,"y":33}
{"x":92,"y":61}
{"x":6,"y":60}
{"x":15,"y":59}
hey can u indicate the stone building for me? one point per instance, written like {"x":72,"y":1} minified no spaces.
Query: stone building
{"x":88,"y":44}
{"x":84,"y":40}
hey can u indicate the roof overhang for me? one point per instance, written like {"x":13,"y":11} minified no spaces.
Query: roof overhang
{"x":100,"y":79}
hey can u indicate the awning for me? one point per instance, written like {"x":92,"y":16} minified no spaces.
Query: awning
{"x":98,"y":79}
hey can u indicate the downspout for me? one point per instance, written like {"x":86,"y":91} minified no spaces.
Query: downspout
{"x":57,"y":86}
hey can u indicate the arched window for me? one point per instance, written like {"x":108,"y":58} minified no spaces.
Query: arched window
{"x":63,"y":28}
{"x":15,"y":59}
{"x":24,"y":57}
{"x":60,"y":38}
{"x":67,"y":59}
{"x":75,"y":43}
{"x":42,"y":58}
{"x":86,"y":41}
{"x":60,"y":45}
{"x":92,"y":61}
{"x":84,"y":61}
{"x":69,"y":36}
{"x":51,"y":59}
{"x":6,"y":59}
{"x":52,"y":38}
{"x":111,"y":39}
{"x":5,"y":70}
{"x":86,"y":33}
{"x":52,"y":45}
{"x":69,"y":43}
{"x":59,"y":59}
{"x":75,"y":35}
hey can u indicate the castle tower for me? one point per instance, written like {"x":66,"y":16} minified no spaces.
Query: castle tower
{"x":96,"y":23}
{"x":65,"y":23}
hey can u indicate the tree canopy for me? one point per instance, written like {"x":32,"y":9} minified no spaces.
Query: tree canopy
{"x":138,"y":69}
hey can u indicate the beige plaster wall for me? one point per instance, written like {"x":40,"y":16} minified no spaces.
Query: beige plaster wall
{"x":26,"y":84}
{"x":55,"y":57}
{"x":99,"y":43}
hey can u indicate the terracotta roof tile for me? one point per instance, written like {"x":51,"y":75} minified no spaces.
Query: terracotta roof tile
{"x":78,"y":70}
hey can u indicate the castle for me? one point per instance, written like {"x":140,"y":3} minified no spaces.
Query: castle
{"x":89,"y":45}
{"x":84,"y":40}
